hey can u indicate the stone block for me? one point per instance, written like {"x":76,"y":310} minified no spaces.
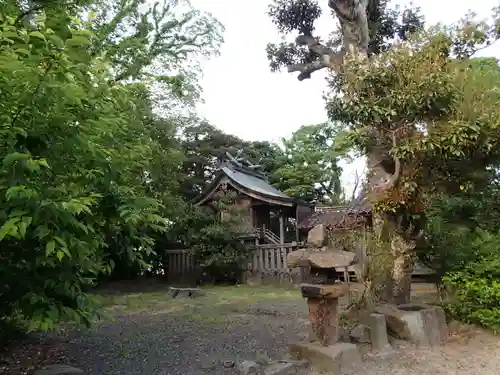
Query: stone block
{"x":338,"y":358}
{"x":378,"y":334}
{"x":316,"y":237}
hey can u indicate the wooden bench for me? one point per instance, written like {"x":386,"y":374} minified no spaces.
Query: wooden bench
{"x":185,"y":292}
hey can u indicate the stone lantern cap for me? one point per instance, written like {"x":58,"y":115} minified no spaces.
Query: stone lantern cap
{"x":324,"y":258}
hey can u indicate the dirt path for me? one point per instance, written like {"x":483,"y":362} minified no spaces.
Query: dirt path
{"x":461,"y":356}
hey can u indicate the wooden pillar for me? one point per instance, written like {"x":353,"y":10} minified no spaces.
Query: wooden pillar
{"x":282,"y":227}
{"x":297,"y":223}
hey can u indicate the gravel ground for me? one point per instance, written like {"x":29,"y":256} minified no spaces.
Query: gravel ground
{"x":161,"y":344}
{"x":165,"y":343}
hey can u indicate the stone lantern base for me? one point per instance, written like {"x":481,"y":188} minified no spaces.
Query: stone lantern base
{"x":338,"y":358}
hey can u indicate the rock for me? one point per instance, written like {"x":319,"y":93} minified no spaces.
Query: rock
{"x":298,"y":258}
{"x":57,"y":369}
{"x":228,"y":364}
{"x":395,"y":320}
{"x":361,"y":333}
{"x":331,"y":259}
{"x":317,"y":236}
{"x":421,"y":324}
{"x":250,"y":368}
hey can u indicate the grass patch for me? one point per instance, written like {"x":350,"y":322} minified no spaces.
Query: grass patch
{"x":214,"y":307}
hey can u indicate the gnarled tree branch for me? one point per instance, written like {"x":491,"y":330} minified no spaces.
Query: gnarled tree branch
{"x":354,"y":23}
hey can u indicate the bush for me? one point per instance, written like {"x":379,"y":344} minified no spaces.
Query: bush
{"x":476,"y":287}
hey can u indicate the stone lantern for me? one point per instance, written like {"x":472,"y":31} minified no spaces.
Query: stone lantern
{"x":322,"y":291}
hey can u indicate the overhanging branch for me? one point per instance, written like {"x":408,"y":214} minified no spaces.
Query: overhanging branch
{"x":328,"y":58}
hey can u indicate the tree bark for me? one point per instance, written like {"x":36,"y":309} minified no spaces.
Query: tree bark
{"x":402,"y":253}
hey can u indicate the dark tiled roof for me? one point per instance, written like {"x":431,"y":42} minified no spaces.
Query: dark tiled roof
{"x":361,"y":205}
{"x":323,"y":215}
{"x":340,"y":217}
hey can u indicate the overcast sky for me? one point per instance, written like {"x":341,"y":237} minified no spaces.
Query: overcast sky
{"x":244,"y":98}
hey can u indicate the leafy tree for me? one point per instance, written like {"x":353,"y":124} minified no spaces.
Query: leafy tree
{"x":424,"y":120}
{"x":309,"y":169}
{"x":79,"y":187}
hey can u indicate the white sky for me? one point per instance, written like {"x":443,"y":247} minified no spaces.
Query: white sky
{"x":242,"y":96}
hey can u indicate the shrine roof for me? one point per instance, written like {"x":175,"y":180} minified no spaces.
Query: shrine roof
{"x":247,"y":180}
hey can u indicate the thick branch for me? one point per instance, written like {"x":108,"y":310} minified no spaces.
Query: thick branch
{"x":389,"y":184}
{"x":328,"y":58}
{"x":306,"y":69}
{"x":354,"y":23}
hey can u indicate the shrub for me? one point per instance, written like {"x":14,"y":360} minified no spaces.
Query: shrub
{"x":476,"y":286}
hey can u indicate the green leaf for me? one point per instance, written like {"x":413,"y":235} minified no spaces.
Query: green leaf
{"x":38,"y":35}
{"x":9,"y":228}
{"x":49,"y":248}
{"x":58,"y":42}
{"x":59,"y":254}
{"x":78,"y":40}
{"x":10,"y":159}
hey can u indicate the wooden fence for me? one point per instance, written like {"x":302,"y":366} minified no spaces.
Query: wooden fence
{"x":180,"y":267}
{"x":267,"y":264}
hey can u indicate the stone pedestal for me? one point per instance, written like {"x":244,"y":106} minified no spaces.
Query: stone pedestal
{"x":322,"y":302}
{"x":324,"y":318}
{"x":339,"y":358}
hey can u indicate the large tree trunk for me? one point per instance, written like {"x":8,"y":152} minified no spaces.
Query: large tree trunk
{"x":402,"y":268}
{"x":393,"y":283}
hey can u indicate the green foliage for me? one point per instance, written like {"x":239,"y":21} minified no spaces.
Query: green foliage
{"x":476,"y":286}
{"x":214,"y":238}
{"x":309,"y":167}
{"x":462,"y":247}
{"x":83,"y":182}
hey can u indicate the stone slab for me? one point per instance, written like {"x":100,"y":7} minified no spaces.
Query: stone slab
{"x":185,"y":292}
{"x":338,"y":358}
{"x":324,"y":290}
